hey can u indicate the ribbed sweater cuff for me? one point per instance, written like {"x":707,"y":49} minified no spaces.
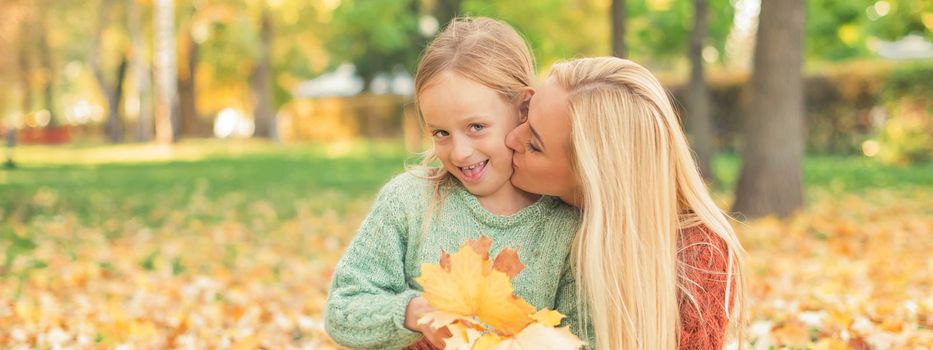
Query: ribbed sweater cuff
{"x":398,"y":314}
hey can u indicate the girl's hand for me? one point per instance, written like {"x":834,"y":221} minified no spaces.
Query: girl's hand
{"x":422,"y":344}
{"x":417,"y":307}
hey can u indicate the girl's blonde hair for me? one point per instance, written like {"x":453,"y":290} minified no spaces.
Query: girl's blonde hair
{"x":641,"y":189}
{"x":481,"y":49}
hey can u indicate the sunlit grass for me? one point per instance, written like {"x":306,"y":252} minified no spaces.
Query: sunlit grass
{"x":98,"y":182}
{"x":837,"y":173}
{"x":192,"y":150}
{"x":135,"y":179}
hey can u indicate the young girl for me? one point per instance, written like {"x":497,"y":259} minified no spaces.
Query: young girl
{"x":471,"y":87}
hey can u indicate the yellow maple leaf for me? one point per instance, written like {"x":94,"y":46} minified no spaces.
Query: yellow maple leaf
{"x":469,"y":287}
{"x":474,"y":299}
{"x":548,"y":318}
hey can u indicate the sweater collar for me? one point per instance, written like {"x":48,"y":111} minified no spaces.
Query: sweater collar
{"x":534,"y":212}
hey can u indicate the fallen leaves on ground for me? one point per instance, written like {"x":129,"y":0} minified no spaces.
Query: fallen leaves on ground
{"x":852,"y":272}
{"x":245,"y":281}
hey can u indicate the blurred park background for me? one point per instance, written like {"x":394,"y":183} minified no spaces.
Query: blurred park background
{"x":185,"y":174}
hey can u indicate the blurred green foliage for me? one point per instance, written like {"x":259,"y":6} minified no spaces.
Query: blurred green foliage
{"x":846,"y":105}
{"x":907,"y":135}
{"x":310,"y":38}
{"x":838,"y":30}
{"x":377,"y":36}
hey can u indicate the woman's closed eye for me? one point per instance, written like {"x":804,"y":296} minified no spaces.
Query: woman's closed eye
{"x":532,"y":147}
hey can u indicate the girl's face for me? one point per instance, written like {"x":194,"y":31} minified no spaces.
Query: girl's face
{"x":542,"y":145}
{"x":468,"y":123}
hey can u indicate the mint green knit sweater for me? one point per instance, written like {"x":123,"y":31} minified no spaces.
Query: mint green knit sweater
{"x":374,"y":279}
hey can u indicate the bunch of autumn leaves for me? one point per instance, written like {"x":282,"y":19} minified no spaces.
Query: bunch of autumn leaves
{"x":473,"y":297}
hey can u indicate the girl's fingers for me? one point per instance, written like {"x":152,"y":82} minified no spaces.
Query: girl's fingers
{"x":437,"y":337}
{"x":422,"y":344}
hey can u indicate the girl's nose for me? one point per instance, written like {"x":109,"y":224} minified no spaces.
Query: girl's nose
{"x":461,"y":151}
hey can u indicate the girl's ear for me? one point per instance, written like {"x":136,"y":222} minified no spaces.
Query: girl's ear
{"x":524,"y":95}
{"x":522,"y":101}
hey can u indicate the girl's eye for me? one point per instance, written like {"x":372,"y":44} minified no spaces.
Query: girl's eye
{"x":477,"y":127}
{"x":438,"y":133}
{"x":533,"y":148}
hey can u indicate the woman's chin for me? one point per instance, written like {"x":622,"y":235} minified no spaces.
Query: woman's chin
{"x":519,"y":183}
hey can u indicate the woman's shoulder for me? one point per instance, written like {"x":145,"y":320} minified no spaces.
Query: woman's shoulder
{"x":704,"y":317}
{"x":700,"y":237}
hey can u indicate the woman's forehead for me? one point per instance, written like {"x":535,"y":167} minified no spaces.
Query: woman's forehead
{"x":551,"y":98}
{"x":549,"y":113}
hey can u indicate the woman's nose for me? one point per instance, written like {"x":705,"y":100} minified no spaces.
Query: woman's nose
{"x":511,"y":139}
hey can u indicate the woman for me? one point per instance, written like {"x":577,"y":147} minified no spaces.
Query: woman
{"x":655,"y":260}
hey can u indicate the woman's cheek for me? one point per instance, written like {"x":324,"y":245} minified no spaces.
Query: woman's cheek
{"x":537,"y":167}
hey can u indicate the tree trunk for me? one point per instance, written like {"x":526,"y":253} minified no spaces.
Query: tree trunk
{"x":187,"y":93}
{"x":618,"y":28}
{"x":445,"y":10}
{"x":25,"y":68}
{"x":261,"y":83}
{"x":48,"y":79}
{"x":139,"y":65}
{"x":112,"y":92}
{"x":699,"y":123}
{"x":164,"y":57}
{"x":114,"y":118}
{"x":771,"y":180}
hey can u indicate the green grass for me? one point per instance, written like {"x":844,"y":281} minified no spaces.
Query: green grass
{"x":838,"y":174}
{"x":223,"y":177}
{"x":148,"y":183}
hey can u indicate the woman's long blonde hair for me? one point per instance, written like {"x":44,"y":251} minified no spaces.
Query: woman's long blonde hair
{"x":481,"y":49}
{"x":641,"y":188}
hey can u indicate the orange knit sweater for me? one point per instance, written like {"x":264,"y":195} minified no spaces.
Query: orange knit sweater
{"x":705,"y":261}
{"x":705,"y":258}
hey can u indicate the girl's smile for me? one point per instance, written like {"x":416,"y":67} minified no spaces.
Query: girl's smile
{"x":474,"y":172}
